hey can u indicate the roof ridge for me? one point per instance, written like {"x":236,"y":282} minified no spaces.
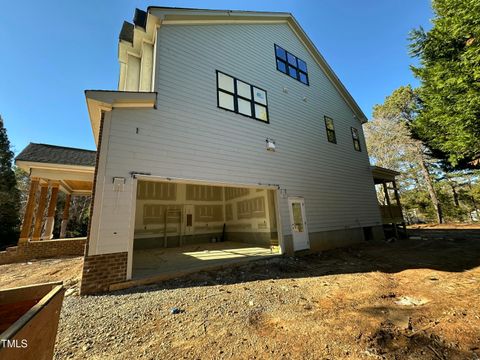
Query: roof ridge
{"x":63,"y":147}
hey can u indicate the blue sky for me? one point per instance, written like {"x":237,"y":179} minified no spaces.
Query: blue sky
{"x":53,"y":50}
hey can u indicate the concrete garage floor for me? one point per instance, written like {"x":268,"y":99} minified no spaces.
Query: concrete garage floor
{"x":165,"y":263}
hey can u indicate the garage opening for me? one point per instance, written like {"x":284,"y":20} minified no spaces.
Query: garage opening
{"x":184,"y":227}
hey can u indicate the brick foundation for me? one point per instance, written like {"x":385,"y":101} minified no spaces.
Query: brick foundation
{"x":43,"y":249}
{"x":100,"y":271}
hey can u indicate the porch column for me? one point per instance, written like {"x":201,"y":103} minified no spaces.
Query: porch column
{"x":397,"y":197}
{"x":387,"y":197}
{"x":48,"y":232}
{"x":37,"y":228}
{"x":28,"y":216}
{"x":66,"y":212}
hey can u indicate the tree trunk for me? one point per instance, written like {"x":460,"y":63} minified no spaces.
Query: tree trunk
{"x":455,"y":195}
{"x":431,"y":189}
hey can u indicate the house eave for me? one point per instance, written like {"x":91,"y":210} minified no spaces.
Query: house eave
{"x":99,"y":101}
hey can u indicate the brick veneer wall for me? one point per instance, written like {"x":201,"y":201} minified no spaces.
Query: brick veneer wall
{"x":43,"y":249}
{"x":100,"y":271}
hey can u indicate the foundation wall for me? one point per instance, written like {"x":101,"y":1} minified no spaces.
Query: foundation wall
{"x":99,"y":271}
{"x":43,"y":249}
{"x":326,"y":240}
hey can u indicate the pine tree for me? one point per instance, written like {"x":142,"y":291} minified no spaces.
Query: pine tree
{"x":449,"y":71}
{"x":9,"y":195}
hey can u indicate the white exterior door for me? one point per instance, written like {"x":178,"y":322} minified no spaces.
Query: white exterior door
{"x":298,"y":223}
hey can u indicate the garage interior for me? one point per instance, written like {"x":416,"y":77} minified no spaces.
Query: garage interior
{"x":185,"y":227}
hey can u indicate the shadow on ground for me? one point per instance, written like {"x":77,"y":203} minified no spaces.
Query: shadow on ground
{"x":444,"y":250}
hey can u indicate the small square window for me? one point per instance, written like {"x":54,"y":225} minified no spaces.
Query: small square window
{"x":302,"y":65}
{"x":281,"y":66}
{"x":226,"y":101}
{"x":259,"y":96}
{"x":261,"y":112}
{"x":244,"y":107}
{"x":355,"y":133}
{"x":225,"y":82}
{"x":303,"y":77}
{"x":292,"y":60}
{"x":292,"y":72}
{"x":281,"y":53}
{"x":244,"y":89}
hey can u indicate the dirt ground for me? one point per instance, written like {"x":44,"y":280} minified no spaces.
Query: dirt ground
{"x":411,"y":299}
{"x":68,"y":270}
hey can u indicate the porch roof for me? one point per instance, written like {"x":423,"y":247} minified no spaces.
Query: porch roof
{"x":381,"y":174}
{"x":72,"y":168}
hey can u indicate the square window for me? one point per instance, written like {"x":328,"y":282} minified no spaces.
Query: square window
{"x":225,"y":82}
{"x":226,"y":101}
{"x":355,"y":133}
{"x":303,"y":77}
{"x":259,"y":96}
{"x":292,"y":72}
{"x":292,"y":60}
{"x":331,"y":136}
{"x":302,"y":65}
{"x":329,"y":123}
{"x":244,"y":90}
{"x":282,"y":54}
{"x":261,"y":112}
{"x":244,"y":107}
{"x":281,"y":66}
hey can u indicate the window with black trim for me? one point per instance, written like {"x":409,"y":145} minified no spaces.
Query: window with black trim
{"x":356,"y":139}
{"x":289,"y":64}
{"x":330,"y":130}
{"x":242,"y":98}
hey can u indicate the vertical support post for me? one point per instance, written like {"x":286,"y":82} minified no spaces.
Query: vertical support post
{"x":30,"y":207}
{"x":37,"y":228}
{"x":389,"y":204}
{"x":397,"y":197}
{"x":66,"y":214}
{"x":52,"y":205}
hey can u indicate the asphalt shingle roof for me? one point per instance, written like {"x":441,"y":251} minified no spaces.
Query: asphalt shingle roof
{"x":53,"y":154}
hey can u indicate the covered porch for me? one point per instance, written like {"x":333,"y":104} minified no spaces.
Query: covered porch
{"x":389,"y":200}
{"x":53,"y":169}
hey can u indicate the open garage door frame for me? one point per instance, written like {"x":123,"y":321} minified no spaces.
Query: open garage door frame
{"x":153,"y":178}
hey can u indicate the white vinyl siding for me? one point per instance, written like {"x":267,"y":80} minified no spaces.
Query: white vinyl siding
{"x":189,"y":137}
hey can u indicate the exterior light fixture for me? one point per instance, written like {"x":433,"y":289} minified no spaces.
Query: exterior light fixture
{"x":270,"y":144}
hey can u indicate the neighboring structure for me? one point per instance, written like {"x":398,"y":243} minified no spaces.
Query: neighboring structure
{"x":252,"y":139}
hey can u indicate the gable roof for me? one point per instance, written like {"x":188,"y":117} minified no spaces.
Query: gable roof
{"x":53,"y":154}
{"x":175,"y":15}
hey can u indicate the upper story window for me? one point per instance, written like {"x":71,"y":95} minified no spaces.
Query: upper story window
{"x":238,"y":96}
{"x":356,"y":139}
{"x":291,"y":65}
{"x":330,"y":130}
